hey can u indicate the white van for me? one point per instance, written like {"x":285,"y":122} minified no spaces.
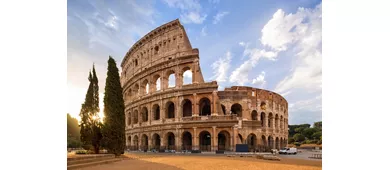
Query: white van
{"x":288,"y":151}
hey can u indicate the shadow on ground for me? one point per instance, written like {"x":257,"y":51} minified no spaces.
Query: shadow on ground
{"x":130,"y":164}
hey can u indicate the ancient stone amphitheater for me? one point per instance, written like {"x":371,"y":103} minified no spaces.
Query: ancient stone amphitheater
{"x":192,"y":115}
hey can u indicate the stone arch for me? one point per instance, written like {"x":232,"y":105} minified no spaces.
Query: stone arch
{"x":187,"y":75}
{"x":263,"y":140}
{"x":251,"y":140}
{"x":129,"y":140}
{"x":135,"y":116}
{"x":145,"y":86}
{"x":254,"y":115}
{"x":263,"y":105}
{"x":156,"y":112}
{"x":170,"y":110}
{"x":171,"y":79}
{"x":237,"y":109}
{"x":270,"y":119}
{"x":170,"y":141}
{"x":223,"y":140}
{"x":156,"y":141}
{"x":187,"y":108}
{"x":136,"y":90}
{"x":186,"y":140}
{"x":135,"y":142}
{"x":270,"y":142}
{"x":277,"y":144}
{"x":205,"y":140}
{"x":156,"y":82}
{"x":281,"y":122}
{"x":240,"y":139}
{"x":144,"y":113}
{"x":129,"y":119}
{"x":276,"y":121}
{"x":144,"y":142}
{"x":223,"y":109}
{"x":262,"y":119}
{"x":204,"y":106}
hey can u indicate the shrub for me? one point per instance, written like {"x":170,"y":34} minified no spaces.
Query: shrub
{"x":297,"y":144}
{"x":298,"y":137}
{"x":81,"y":152}
{"x":291,"y":140}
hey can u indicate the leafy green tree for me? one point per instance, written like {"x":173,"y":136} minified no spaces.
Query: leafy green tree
{"x":114,"y":108}
{"x":299,"y":129}
{"x":318,"y":124}
{"x":291,"y":140}
{"x":73,"y":132}
{"x":96,"y":125}
{"x":308,"y":132}
{"x":317,"y":135}
{"x":299,"y":137}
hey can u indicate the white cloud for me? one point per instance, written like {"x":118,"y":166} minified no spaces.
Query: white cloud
{"x":240,"y":75}
{"x":241,"y":43}
{"x":190,"y":10}
{"x":260,"y":80}
{"x":312,"y":105}
{"x":219,"y":16}
{"x":301,"y":32}
{"x":192,"y":17}
{"x":214,"y":1}
{"x":203,"y":32}
{"x":221,"y":67}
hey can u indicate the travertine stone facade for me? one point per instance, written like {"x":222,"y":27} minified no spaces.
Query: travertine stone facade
{"x":193,"y":116}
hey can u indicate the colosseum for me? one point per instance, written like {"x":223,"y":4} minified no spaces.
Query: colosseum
{"x":192,"y":115}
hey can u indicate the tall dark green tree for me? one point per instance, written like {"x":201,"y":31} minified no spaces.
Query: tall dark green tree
{"x":86,"y":121}
{"x":114,"y":108}
{"x":96,"y":125}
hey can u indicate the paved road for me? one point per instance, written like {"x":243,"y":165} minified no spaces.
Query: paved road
{"x":132,"y":164}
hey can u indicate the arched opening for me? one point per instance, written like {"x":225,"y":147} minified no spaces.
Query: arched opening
{"x":223,"y":140}
{"x":135,"y":142}
{"x":263,"y":140}
{"x":136,"y":90}
{"x":171,"y":79}
{"x":157,"y":82}
{"x":145,"y":87}
{"x":254,"y":115}
{"x":240,"y":139}
{"x":144,"y":142}
{"x":204,"y":107}
{"x":270,"y":142}
{"x":223,"y":109}
{"x":128,"y":119}
{"x":276,"y":121}
{"x":277,"y":144}
{"x":128,"y":141}
{"x":170,"y":110}
{"x":281,"y":122}
{"x":251,"y":141}
{"x":144,"y":113}
{"x":135,"y":116}
{"x":136,"y":62}
{"x":262,"y":117}
{"x":263,"y":106}
{"x":156,"y":112}
{"x":187,"y":108}
{"x":187,"y":141}
{"x":171,"y":141}
{"x":156,"y":141}
{"x":205,"y":141}
{"x":237,"y":109}
{"x":270,"y":119}
{"x":187,"y":77}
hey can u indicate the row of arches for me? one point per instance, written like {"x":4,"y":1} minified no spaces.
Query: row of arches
{"x":204,"y":109}
{"x":157,"y":83}
{"x":224,"y":141}
{"x":276,"y":121}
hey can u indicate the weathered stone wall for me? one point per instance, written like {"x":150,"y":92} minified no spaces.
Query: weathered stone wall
{"x":194,"y":115}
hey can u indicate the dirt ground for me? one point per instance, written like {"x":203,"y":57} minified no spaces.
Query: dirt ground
{"x":205,"y":162}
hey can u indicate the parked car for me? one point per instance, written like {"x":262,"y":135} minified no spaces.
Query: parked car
{"x":288,"y":151}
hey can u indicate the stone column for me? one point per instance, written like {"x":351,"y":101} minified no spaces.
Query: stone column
{"x":195,"y":140}
{"x":149,"y":141}
{"x":214,"y":109}
{"x":235,"y":138}
{"x":195,"y":110}
{"x":177,"y":109}
{"x":266,"y":120}
{"x":214,"y":141}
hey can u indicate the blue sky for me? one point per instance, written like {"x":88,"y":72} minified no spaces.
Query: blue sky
{"x":270,"y":44}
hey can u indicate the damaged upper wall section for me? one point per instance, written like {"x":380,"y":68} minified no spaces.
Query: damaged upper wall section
{"x":162,"y":42}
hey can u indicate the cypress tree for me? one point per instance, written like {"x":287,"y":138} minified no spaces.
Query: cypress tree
{"x":114,"y":117}
{"x":85,"y":124}
{"x":95,"y":127}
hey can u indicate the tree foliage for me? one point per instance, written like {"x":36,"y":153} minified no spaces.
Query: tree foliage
{"x":114,"y":116}
{"x":298,"y":137}
{"x":73,"y":132}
